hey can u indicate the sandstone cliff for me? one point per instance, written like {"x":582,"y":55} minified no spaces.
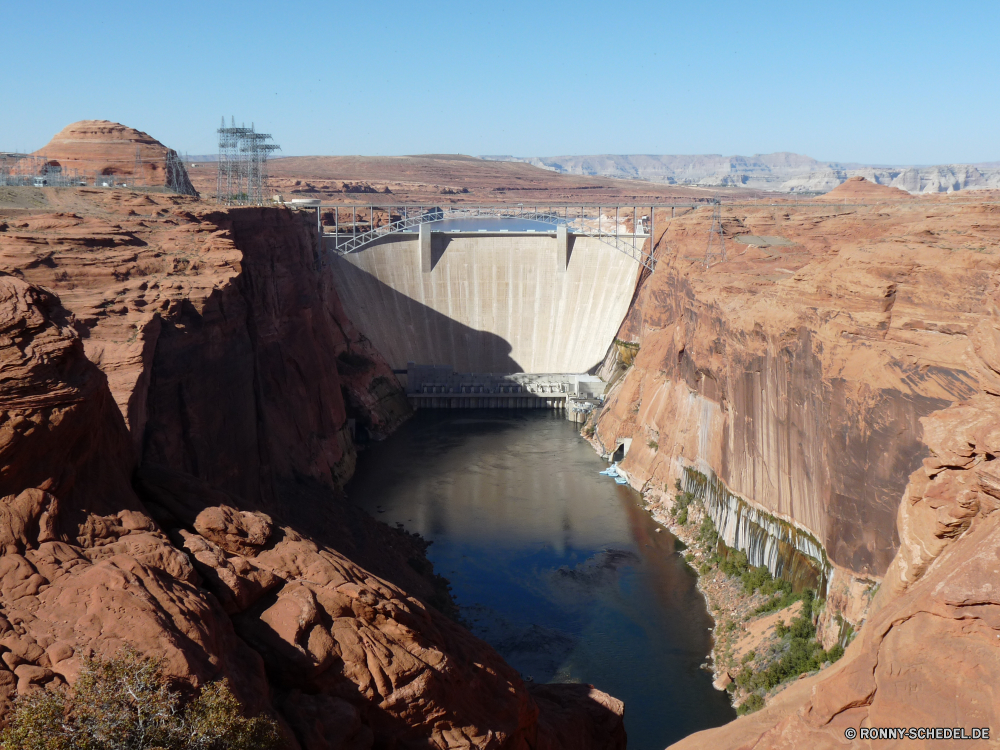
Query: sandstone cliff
{"x":831,"y":378}
{"x":178,"y":384}
{"x":928,"y":655}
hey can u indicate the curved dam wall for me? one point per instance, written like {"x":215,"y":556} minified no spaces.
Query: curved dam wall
{"x":499,"y":302}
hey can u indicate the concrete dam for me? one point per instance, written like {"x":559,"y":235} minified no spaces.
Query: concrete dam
{"x":488,"y":302}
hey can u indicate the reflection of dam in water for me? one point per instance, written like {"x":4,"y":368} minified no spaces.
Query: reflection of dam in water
{"x":491,"y":302}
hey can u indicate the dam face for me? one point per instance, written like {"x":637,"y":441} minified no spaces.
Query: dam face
{"x":498,"y":302}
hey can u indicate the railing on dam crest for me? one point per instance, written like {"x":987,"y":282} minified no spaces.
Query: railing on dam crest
{"x":624,"y":228}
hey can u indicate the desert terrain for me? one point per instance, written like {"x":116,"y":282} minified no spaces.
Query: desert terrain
{"x":448,"y":178}
{"x":181,"y":383}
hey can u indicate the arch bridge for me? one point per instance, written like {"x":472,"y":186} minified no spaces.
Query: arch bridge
{"x":623,"y":227}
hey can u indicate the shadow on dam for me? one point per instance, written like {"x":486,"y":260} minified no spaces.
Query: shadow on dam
{"x":410,"y":331}
{"x":489,"y":301}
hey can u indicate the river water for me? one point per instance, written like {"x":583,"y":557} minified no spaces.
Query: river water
{"x":555,"y":566}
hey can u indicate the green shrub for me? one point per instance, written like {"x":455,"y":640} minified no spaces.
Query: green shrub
{"x":808,"y":599}
{"x":802,"y":654}
{"x":707,"y":534}
{"x":653,"y":445}
{"x":735,"y":564}
{"x":835,"y":653}
{"x":126,"y":703}
{"x":802,"y":627}
{"x":753,"y":703}
{"x":776,"y":603}
{"x":748,"y":657}
{"x":754,"y":578}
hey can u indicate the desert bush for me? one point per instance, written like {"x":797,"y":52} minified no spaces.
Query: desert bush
{"x":752,"y":703}
{"x":127,"y":703}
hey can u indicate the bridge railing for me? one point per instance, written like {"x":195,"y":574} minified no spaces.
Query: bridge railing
{"x":580,"y":225}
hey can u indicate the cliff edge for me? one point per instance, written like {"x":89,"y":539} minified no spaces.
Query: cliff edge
{"x":179,"y":386}
{"x":833,"y":378}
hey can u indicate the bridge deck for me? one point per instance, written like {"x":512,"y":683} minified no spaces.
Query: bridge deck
{"x":623,"y":227}
{"x":487,"y":400}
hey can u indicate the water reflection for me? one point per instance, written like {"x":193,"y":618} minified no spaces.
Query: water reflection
{"x":557,"y":567}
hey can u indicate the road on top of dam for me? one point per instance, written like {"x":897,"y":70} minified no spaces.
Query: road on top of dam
{"x":557,"y":567}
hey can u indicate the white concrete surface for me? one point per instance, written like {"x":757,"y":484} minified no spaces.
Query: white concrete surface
{"x":493,"y":303}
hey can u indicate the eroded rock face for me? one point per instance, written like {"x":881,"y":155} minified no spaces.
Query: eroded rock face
{"x":578,"y":716}
{"x":212,"y":531}
{"x":798,"y":373}
{"x":928,"y":655}
{"x":846,"y":382}
{"x":78,"y":550}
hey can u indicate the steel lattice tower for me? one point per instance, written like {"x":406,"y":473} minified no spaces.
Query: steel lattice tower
{"x":715,"y":233}
{"x":242,"y":168}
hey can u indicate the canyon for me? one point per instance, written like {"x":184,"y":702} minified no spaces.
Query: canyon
{"x":178,"y":385}
{"x":830,"y":384}
{"x":183,"y":387}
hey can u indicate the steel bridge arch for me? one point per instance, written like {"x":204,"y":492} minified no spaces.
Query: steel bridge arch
{"x":431,"y":215}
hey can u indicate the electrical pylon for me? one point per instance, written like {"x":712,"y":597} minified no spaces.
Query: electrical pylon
{"x":713,"y":233}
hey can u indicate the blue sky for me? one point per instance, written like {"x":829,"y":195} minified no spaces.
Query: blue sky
{"x":871,"y":82}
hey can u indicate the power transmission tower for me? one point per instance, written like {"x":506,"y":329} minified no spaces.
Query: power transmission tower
{"x":716,"y":237}
{"x":137,"y":170}
{"x":177,"y":180}
{"x":242,"y":167}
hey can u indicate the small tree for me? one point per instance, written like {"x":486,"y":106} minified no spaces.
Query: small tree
{"x":126,"y":703}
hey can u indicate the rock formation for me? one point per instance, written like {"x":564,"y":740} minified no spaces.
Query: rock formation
{"x":928,"y":654}
{"x":843,"y":387}
{"x":101,"y":147}
{"x":781,"y":172}
{"x":177,"y":384}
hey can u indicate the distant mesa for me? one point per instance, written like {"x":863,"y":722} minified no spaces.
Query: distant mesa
{"x":782,"y":172}
{"x":102,"y":147}
{"x":858,"y":187}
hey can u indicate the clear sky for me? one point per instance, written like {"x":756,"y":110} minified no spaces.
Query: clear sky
{"x":873,"y":82}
